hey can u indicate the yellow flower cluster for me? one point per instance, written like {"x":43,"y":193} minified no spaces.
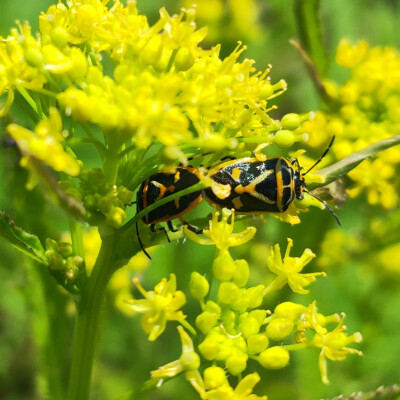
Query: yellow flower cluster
{"x":235,"y":326}
{"x":363,"y":110}
{"x":213,"y":384}
{"x":163,"y":81}
{"x":139,"y":83}
{"x":44,"y":144}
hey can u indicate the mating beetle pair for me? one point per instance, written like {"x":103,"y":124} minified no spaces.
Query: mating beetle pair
{"x":255,"y":187}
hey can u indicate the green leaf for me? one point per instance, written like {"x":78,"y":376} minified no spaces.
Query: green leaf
{"x":309,"y":29}
{"x":342,"y":167}
{"x":23,"y":241}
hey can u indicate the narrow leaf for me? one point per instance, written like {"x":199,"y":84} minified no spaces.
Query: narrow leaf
{"x":23,"y":241}
{"x":342,"y":167}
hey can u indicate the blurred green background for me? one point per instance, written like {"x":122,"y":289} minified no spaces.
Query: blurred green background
{"x":368,"y":294}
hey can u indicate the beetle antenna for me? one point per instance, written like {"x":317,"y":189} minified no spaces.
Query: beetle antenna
{"x":323,"y":155}
{"x":140,"y":242}
{"x":325,"y":204}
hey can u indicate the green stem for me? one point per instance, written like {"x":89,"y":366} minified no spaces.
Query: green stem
{"x":24,"y":93}
{"x":76,"y":237}
{"x":296,"y":346}
{"x":276,"y":284}
{"x":188,"y":327}
{"x":110,"y":168}
{"x":309,"y":29}
{"x":171,"y":60}
{"x":88,"y":319}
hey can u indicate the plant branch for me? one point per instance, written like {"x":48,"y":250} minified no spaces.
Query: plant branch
{"x":342,"y":167}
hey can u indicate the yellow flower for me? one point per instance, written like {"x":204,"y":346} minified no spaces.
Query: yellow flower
{"x":159,"y":306}
{"x":189,"y":360}
{"x":16,"y":68}
{"x":220,"y":233}
{"x":366,"y":110}
{"x":45,"y":144}
{"x":243,"y":390}
{"x":288,"y":269}
{"x":333,"y":344}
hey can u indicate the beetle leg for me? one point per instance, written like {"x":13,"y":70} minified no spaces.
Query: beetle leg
{"x":171,"y":227}
{"x":140,"y":242}
{"x":153,"y":229}
{"x":191,"y":227}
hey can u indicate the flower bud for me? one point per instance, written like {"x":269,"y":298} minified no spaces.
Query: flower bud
{"x":92,"y":176}
{"x":65,"y":249}
{"x":184,"y":59}
{"x":124,"y":194}
{"x":51,"y":244}
{"x":249,"y":326}
{"x":291,"y":121}
{"x":152,"y":51}
{"x":257,"y":343}
{"x":279,"y":328}
{"x":106,"y":203}
{"x":56,"y":261}
{"x":227,"y":292}
{"x":206,"y":320}
{"x":241,"y":303}
{"x":90,"y":202}
{"x":259,"y":315}
{"x":59,"y":36}
{"x":228,"y":317}
{"x":77,"y":261}
{"x":236,"y":363}
{"x":209,"y":348}
{"x":214,"y":142}
{"x":309,"y":201}
{"x":274,"y":358}
{"x":284,"y":138}
{"x":242,"y":272}
{"x":198,"y":286}
{"x":255,"y":295}
{"x":214,"y":377}
{"x":71,"y":274}
{"x":239,"y":343}
{"x":116,"y":217}
{"x":212,"y":306}
{"x":289,"y":310}
{"x":33,"y":56}
{"x":266,"y":91}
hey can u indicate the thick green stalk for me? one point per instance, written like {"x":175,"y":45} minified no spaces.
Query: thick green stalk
{"x":88,"y":319}
{"x":309,"y":29}
{"x":110,"y":168}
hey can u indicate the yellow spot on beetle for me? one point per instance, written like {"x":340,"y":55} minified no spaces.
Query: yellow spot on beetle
{"x":236,"y":174}
{"x":237,"y":203}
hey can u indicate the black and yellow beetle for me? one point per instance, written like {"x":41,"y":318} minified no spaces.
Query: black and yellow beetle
{"x":258,"y":187}
{"x":161,"y":185}
{"x":254,"y":187}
